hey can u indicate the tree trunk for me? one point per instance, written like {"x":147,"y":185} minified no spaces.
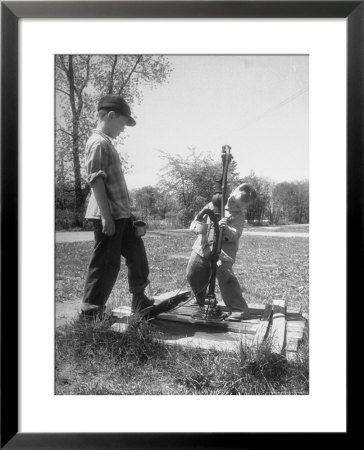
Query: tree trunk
{"x":77,"y":167}
{"x":75,"y":142}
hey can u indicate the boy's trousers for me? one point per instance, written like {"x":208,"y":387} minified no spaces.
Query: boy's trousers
{"x":106,"y":260}
{"x":198,"y":275}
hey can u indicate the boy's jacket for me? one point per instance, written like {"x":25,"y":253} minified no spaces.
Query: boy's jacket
{"x":230,"y":241}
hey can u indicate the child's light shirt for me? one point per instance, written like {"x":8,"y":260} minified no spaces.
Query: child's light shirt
{"x":102,"y":160}
{"x":230,"y":241}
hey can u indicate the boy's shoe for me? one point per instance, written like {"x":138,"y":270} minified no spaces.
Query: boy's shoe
{"x":139,"y":302}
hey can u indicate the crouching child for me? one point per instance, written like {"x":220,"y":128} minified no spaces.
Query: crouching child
{"x":199,"y":265}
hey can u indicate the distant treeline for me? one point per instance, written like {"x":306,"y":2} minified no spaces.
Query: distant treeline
{"x":185,"y":185}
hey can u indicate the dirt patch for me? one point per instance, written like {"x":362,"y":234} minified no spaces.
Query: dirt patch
{"x":66,"y":311}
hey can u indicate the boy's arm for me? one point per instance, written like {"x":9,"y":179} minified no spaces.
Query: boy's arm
{"x":233,"y":231}
{"x":96,"y":165}
{"x":108,"y":224}
{"x":195,"y":225}
{"x":208,"y":206}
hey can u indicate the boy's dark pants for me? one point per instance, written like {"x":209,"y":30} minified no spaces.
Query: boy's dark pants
{"x":105,"y":263}
{"x":198,"y":276}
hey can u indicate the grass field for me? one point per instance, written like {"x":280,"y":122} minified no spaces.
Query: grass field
{"x":296,"y":228}
{"x":92,"y":359}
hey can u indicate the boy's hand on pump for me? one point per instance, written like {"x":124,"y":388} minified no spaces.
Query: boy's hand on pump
{"x":223,"y":222}
{"x":108,"y":226}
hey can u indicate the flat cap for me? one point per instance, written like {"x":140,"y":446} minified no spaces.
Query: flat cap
{"x":116,"y":103}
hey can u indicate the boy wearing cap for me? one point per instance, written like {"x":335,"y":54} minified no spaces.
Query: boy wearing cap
{"x":199,"y":266}
{"x":109,"y":210}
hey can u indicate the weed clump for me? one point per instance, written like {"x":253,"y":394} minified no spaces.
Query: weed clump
{"x":94,"y":339}
{"x":246,"y":372}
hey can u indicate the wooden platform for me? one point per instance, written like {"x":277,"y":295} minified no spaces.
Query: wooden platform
{"x":283,"y":329}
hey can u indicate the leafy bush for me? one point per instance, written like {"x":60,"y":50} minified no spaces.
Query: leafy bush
{"x":67,"y":219}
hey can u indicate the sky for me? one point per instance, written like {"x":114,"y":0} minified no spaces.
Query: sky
{"x":256,"y":104}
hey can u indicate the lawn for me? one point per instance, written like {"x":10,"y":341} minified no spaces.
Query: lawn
{"x":296,"y":228}
{"x":92,"y":359}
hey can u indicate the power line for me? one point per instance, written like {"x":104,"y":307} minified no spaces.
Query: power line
{"x":261,"y":116}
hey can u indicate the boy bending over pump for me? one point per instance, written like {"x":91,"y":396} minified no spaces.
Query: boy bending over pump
{"x":199,"y":265}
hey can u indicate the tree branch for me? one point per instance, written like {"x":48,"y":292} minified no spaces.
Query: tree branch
{"x":63,"y":131}
{"x":84,"y":84}
{"x":130,"y":74}
{"x":64,"y":67}
{"x":87,"y":74}
{"x":63,"y":92}
{"x":72,"y":86}
{"x":112,"y":73}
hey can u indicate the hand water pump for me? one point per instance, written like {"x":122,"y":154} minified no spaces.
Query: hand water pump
{"x":219,"y":201}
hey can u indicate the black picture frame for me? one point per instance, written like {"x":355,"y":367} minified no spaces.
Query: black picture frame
{"x":11,"y":12}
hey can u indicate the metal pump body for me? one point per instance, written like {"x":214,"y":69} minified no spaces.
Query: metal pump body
{"x":219,"y":201}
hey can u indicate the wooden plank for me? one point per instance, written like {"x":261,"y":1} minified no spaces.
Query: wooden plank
{"x":208,"y":344}
{"x":277,"y":331}
{"x":306,"y":332}
{"x":182,"y":329}
{"x":204,"y":344}
{"x":294,"y":334}
{"x":232,"y":323}
{"x":254,"y":309}
{"x":121,"y":311}
{"x":252,"y":332}
{"x":237,"y":327}
{"x":192,"y":335}
{"x":298,"y":321}
{"x":186,"y":310}
{"x":167,"y":295}
{"x":292,"y":345}
{"x":297,"y":332}
{"x":257,"y":306}
{"x":247,"y":326}
{"x":198,"y":336}
{"x":293,"y":316}
{"x":263,"y":327}
{"x":192,"y":309}
{"x":198,"y":332}
{"x":296,"y":326}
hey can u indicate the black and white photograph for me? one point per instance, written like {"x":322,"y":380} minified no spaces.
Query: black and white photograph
{"x":182,"y":224}
{"x":181,"y":199}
